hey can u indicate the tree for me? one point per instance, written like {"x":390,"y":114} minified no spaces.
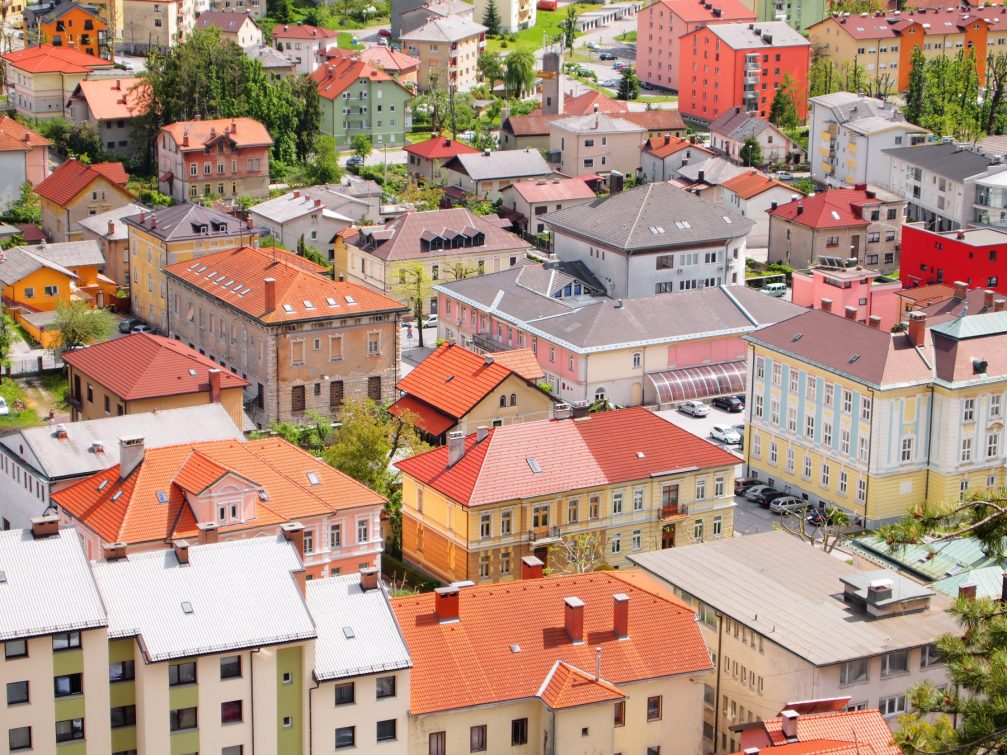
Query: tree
{"x":569,"y":27}
{"x":783,"y":111}
{"x":828,"y":529}
{"x":324,"y":167}
{"x":79,"y":325}
{"x":994,"y":106}
{"x":422,"y":197}
{"x":26,"y":208}
{"x":361,"y":146}
{"x":751,"y":153}
{"x":310,"y":252}
{"x":629,"y":84}
{"x":491,"y":19}
{"x":491,"y":68}
{"x":312,"y":436}
{"x":579,"y":554}
{"x":821,"y":77}
{"x":8,"y":334}
{"x":414,"y":283}
{"x":913,"y":110}
{"x":281,"y":10}
{"x":519,"y":76}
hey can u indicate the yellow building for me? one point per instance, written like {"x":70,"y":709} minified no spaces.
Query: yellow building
{"x":448,"y":49}
{"x":574,"y":493}
{"x":75,"y":191}
{"x":175,"y":234}
{"x":150,"y":24}
{"x":42,"y":78}
{"x":875,"y":423}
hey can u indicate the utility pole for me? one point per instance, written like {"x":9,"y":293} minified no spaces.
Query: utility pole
{"x":451,"y":107}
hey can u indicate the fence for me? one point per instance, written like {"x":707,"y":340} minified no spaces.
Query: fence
{"x":33,"y":365}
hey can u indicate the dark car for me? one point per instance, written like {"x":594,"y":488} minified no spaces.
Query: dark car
{"x":768,"y":496}
{"x":384,"y":33}
{"x":129,"y":323}
{"x":740,"y":486}
{"x":608,"y":56}
{"x":729,"y":403}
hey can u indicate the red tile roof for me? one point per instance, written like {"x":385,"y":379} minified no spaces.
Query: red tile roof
{"x":753,"y":183}
{"x":49,"y":59}
{"x":334,"y":77}
{"x":831,"y":732}
{"x":16,"y":137}
{"x":692,"y":11}
{"x":279,"y":469}
{"x":835,"y":208}
{"x":114,"y":98}
{"x":567,"y":686}
{"x":949,"y":19}
{"x":924,"y":296}
{"x":144,"y":365}
{"x":667,"y":145}
{"x":425,"y":417}
{"x":388,"y":59}
{"x":439,"y":148}
{"x":583,"y":104}
{"x":471,"y":661}
{"x":522,"y":361}
{"x":243,"y":132}
{"x":73,"y":177}
{"x":236,"y":277}
{"x":601,"y":449}
{"x":302,"y":31}
{"x":554,"y":190}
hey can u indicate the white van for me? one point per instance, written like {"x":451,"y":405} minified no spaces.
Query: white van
{"x":774,"y":289}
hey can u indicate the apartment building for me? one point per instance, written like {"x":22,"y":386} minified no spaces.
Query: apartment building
{"x":732,"y":128}
{"x":515,"y":15}
{"x":410,"y":14}
{"x":575,"y":664}
{"x":448,"y":49}
{"x":76,"y":27}
{"x":24,"y":156}
{"x":849,"y":135}
{"x":487,"y":173}
{"x":841,"y":412}
{"x":654,"y":239}
{"x":112,"y":235}
{"x":799,"y":14}
{"x":305,"y":44}
{"x":41,"y":79}
{"x":835,"y":632}
{"x":233,"y":26}
{"x":726,"y":66}
{"x":168,"y":235}
{"x":530,"y":201}
{"x":304,"y":341}
{"x":255,"y":8}
{"x":426,"y":159}
{"x":75,"y":191}
{"x":156,"y":24}
{"x":752,"y":195}
{"x":846,"y":289}
{"x":401,"y":67}
{"x":595,"y":143}
{"x":967,"y":255}
{"x":110,"y":107}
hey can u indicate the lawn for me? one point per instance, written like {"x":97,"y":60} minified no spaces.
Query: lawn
{"x":346,"y":42}
{"x":642,"y":98}
{"x":12,"y":391}
{"x":547,"y":23}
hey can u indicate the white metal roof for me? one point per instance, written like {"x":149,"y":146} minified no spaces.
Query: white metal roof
{"x":241,"y":594}
{"x":357,"y":630}
{"x":46,"y":586}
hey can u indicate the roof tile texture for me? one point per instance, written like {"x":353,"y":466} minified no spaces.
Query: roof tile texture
{"x":73,"y":177}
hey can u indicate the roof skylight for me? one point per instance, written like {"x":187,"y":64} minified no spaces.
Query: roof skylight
{"x":287,"y":308}
{"x":534,"y":465}
{"x":313,"y":478}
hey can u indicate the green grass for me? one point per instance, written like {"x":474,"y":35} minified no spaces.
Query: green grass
{"x":655,"y":98}
{"x":406,"y":576}
{"x":346,"y":42}
{"x":548,"y":22}
{"x":55,"y":384}
{"x":628,"y":36}
{"x":12,"y":391}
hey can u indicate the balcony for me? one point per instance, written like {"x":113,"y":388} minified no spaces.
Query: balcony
{"x":485,"y":343}
{"x":675,"y":511}
{"x":751,"y":80}
{"x":543,"y":535}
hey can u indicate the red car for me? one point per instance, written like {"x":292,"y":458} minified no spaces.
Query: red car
{"x":547,"y":4}
{"x":384,"y":33}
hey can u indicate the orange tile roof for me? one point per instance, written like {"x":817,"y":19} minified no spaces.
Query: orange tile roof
{"x":471,"y":661}
{"x":49,"y":59}
{"x":567,"y":686}
{"x":388,"y":59}
{"x":583,"y":104}
{"x":866,"y":726}
{"x":334,"y":77}
{"x":425,"y":417}
{"x":15,"y":136}
{"x":130,"y":511}
{"x":664,"y":146}
{"x":243,"y":132}
{"x":554,"y":190}
{"x":753,"y":183}
{"x":522,"y":361}
{"x":833,"y":208}
{"x":73,"y":177}
{"x":930,"y":294}
{"x":440,"y":147}
{"x":302,"y":31}
{"x":601,"y":449}
{"x":143,"y":365}
{"x":236,"y":277}
{"x":114,"y":98}
{"x":823,"y":747}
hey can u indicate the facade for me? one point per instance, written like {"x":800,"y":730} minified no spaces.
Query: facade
{"x":446,"y":244}
{"x":659,"y":31}
{"x":144,"y":372}
{"x":255,"y":8}
{"x":482,"y":393}
{"x":487,"y":173}
{"x":75,"y":191}
{"x":863,"y":223}
{"x":749,"y":65}
{"x":109,"y":106}
{"x":304,"y":341}
{"x":880,"y":639}
{"x":358,"y":98}
{"x":425,"y":159}
{"x":474,"y":509}
{"x":76,"y":27}
{"x":168,"y":235}
{"x":661,"y":157}
{"x":752,"y":195}
{"x":638,"y":258}
{"x":730,"y":130}
{"x":857,"y":433}
{"x":515,"y":15}
{"x":532,"y":200}
{"x":595,"y":143}
{"x":305,"y":44}
{"x":112,"y":236}
{"x":40,"y":80}
{"x":855,"y":292}
{"x":531,"y":131}
{"x":275,"y":63}
{"x":849,"y":135}
{"x":929,"y":257}
{"x":574,"y":654}
{"x":163,"y":24}
{"x":234,"y":26}
{"x":448,"y":49}
{"x":411,"y":14}
{"x":38,"y":461}
{"x":228,"y":158}
{"x":24,"y":156}
{"x":799,"y":14}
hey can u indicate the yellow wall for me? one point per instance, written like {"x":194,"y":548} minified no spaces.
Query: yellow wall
{"x":532,"y":404}
{"x":37,"y":282}
{"x":60,"y":221}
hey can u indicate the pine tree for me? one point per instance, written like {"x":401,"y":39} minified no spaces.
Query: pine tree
{"x":629,"y":84}
{"x":917,"y":84}
{"x":491,"y":19}
{"x":783,"y":111}
{"x":751,"y":153}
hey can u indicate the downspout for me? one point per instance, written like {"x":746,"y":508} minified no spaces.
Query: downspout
{"x":311,"y":739}
{"x":720,"y":665}
{"x":870,"y":449}
{"x":552,"y":742}
{"x":251,"y":690}
{"x":930,"y":428}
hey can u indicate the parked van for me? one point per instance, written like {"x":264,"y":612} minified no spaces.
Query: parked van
{"x":775,"y":289}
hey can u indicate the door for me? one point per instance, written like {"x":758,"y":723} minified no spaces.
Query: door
{"x":668,"y":536}
{"x":855,"y":245}
{"x":542,"y":554}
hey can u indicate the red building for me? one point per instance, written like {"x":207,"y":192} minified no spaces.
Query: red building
{"x":976,"y":256}
{"x":741,"y":65}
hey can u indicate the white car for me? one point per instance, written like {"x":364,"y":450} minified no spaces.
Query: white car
{"x":430,"y":322}
{"x":787,"y":504}
{"x":725,"y":434}
{"x":755,"y":491}
{"x":4,"y":409}
{"x":695,"y":408}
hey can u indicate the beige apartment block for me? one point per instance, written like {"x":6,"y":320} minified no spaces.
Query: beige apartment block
{"x":160,"y":24}
{"x":448,"y":49}
{"x":595,"y":143}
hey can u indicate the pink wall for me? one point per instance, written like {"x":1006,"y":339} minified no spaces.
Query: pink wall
{"x":696,"y":353}
{"x":869,"y":298}
{"x":36,"y":165}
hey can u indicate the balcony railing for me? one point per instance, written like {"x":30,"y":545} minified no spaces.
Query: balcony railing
{"x":673,"y":511}
{"x":486,"y":343}
{"x":541,"y":535}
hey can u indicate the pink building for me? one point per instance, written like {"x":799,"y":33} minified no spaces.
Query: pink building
{"x":854,"y":292}
{"x":24,"y":156}
{"x":659,"y":29}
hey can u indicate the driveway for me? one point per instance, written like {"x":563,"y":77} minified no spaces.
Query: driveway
{"x":378,"y":157}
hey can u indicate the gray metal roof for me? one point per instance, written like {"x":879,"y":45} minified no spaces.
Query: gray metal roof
{"x":846,"y":107}
{"x":184,"y":221}
{"x":18,"y":263}
{"x":650,"y":217}
{"x":791,"y":593}
{"x":444,"y":29}
{"x":946,"y":159}
{"x":288,"y":206}
{"x":738,"y":125}
{"x":597,"y":122}
{"x":56,"y":459}
{"x":99,"y":223}
{"x":973,"y":326}
{"x":47,"y":585}
{"x":715,"y":170}
{"x":773,"y":34}
{"x":510,"y":163}
{"x":68,"y":253}
{"x":373,"y":643}
{"x":242,"y":594}
{"x":270,"y":57}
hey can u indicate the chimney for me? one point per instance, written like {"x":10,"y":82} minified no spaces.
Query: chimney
{"x":874,"y":321}
{"x":114,"y":551}
{"x":153,"y":221}
{"x":987,"y":298}
{"x":961,"y":289}
{"x":61,"y":433}
{"x":917,"y":328}
{"x":967,"y":591}
{"x":790,"y":718}
{"x":878,"y":590}
{"x":481,"y":432}
{"x":318,"y":203}
{"x":143,"y":218}
{"x":702,"y":176}
{"x":117,"y":85}
{"x":369,"y":577}
{"x":532,"y":566}
{"x":456,"y":447}
{"x":800,"y":209}
{"x":562,"y":411}
{"x":208,"y":533}
{"x":851,"y":313}
{"x":185,"y":139}
{"x":573,"y":619}
{"x":667,"y":138}
{"x":181,"y":548}
{"x":751,"y":751}
{"x":960,"y":235}
{"x":446,"y":604}
{"x":488,"y":360}
{"x":297,"y":195}
{"x":860,"y":187}
{"x":130,"y":454}
{"x":826,"y":305}
{"x":620,"y":618}
{"x":215,"y":386}
{"x":250,"y":224}
{"x":44,"y":526}
{"x":111,"y":227}
{"x":999,"y":304}
{"x":270,"y":285}
{"x":293,"y":532}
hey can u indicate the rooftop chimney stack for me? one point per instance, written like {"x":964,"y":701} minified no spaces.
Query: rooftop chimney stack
{"x":446,"y":604}
{"x":532,"y":566}
{"x":208,"y":533}
{"x":114,"y":551}
{"x":615,"y":182}
{"x":790,"y":718}
{"x":44,"y":526}
{"x":181,"y":548}
{"x":620,"y":619}
{"x":851,"y":313}
{"x":573,"y":619}
{"x":488,"y":360}
{"x":826,"y":305}
{"x":111,"y":227}
{"x":961,"y":289}
{"x":215,"y":376}
{"x":481,"y":432}
{"x":988,"y":298}
{"x":456,"y":447}
{"x":917,"y":328}
{"x":999,"y":305}
{"x":293,"y":532}
{"x":130,"y":454}
{"x":369,"y":577}
{"x":967,"y":591}
{"x":61,"y":433}
{"x":562,"y":410}
{"x":874,"y":321}
{"x":270,"y":288}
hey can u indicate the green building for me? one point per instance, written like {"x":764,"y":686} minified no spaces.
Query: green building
{"x":800,"y":14}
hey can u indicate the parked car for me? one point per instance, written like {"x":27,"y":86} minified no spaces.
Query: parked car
{"x":547,"y":4}
{"x":775,"y":289}
{"x":4,"y":409}
{"x":141,"y":328}
{"x":384,"y":33}
{"x":608,"y":56}
{"x":755,"y":491}
{"x":618,"y":65}
{"x":610,"y":83}
{"x":729,"y":403}
{"x":783,"y":175}
{"x":787,"y":504}
{"x":591,"y":45}
{"x":127,"y":325}
{"x":382,"y":42}
{"x":745,"y":483}
{"x":725,"y":434}
{"x":695,"y":408}
{"x":430,"y":322}
{"x":766,"y":497}
{"x":354,"y":161}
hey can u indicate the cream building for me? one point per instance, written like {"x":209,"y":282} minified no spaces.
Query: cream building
{"x":448,"y":49}
{"x":41,"y":79}
{"x":595,"y":143}
{"x":515,"y":15}
{"x":149,"y":24}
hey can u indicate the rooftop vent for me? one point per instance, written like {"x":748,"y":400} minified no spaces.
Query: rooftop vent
{"x":348,"y":633}
{"x":186,"y":607}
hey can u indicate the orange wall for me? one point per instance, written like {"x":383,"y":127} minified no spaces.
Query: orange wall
{"x":73,"y":29}
{"x":912,"y":37}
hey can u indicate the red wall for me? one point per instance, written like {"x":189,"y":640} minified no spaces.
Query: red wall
{"x":947,"y":260}
{"x":705,"y":94}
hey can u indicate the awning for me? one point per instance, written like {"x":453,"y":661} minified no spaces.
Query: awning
{"x":427,"y":419}
{"x":707,"y":381}
{"x":165,"y":177}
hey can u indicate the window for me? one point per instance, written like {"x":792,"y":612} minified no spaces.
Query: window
{"x":373,"y":344}
{"x":809,"y":426}
{"x":854,"y":672}
{"x":124,"y":715}
{"x":616,"y":503}
{"x":759,"y":408}
{"x":309,"y":542}
{"x":362,"y":531}
{"x":827,"y":433}
{"x":636,"y":359}
{"x":297,"y":398}
{"x":345,"y":693}
{"x":477,"y":738}
{"x":65,"y":640}
{"x":68,"y":684}
{"x":697,"y":530}
{"x":995,"y":406}
{"x":616,"y":544}
{"x":438,"y":742}
{"x":620,"y":713}
{"x":69,"y":730}
{"x":895,"y":663}
{"x":992,"y":445}
{"x":386,"y":730}
{"x":844,"y":441}
{"x":791,"y":419}
{"x":594,"y":507}
{"x":121,"y":671}
{"x":19,"y":738}
{"x":865,"y":409}
{"x":17,"y":692}
{"x":385,"y":686}
{"x":892,"y":706}
{"x":638,"y":500}
{"x":795,"y":381}
{"x":335,"y":394}
{"x":969,"y":410}
{"x":230,"y":667}
{"x":843,"y":480}
{"x":777,"y":373}
{"x":825,"y":475}
{"x":374,"y":388}
{"x":15,"y":649}
{"x":230,"y":712}
{"x":966,"y":454}
{"x":907,"y":450}
{"x":505,"y":522}
{"x":637,"y":540}
{"x":181,"y":673}
{"x":346,"y":736}
{"x":700,"y":488}
{"x":928,"y":656}
{"x":485,"y":525}
{"x":518,"y":732}
{"x":718,"y":526}
{"x":654,"y":708}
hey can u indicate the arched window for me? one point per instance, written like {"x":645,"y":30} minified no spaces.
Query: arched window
{"x":636,"y":358}
{"x":513,"y":399}
{"x":503,"y":400}
{"x":599,"y":394}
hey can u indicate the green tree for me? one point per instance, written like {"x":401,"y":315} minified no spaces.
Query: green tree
{"x":629,"y":84}
{"x":569,"y":27}
{"x":324,"y":167}
{"x":519,"y":76}
{"x":26,"y":208}
{"x":783,"y":111}
{"x":822,"y":77}
{"x":8,"y":334}
{"x":281,"y":10}
{"x":414,"y":283}
{"x":361,"y":146}
{"x":310,"y":252}
{"x":751,"y":153}
{"x":491,"y":69}
{"x":422,"y":197}
{"x":312,"y":435}
{"x":913,"y":110}
{"x":491,"y":19}
{"x":79,"y":325}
